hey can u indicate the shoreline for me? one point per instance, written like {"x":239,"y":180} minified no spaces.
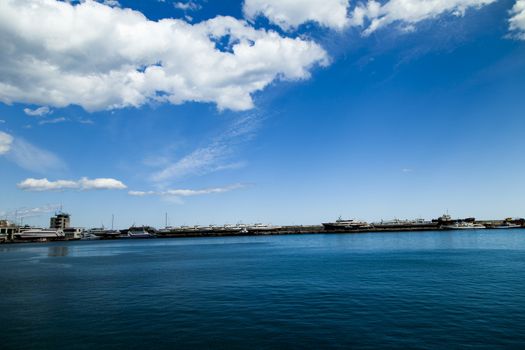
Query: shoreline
{"x":284,"y":230}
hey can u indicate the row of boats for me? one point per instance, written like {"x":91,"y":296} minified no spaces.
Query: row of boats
{"x":445,"y":222}
{"x":44,"y":234}
{"x":73,"y":233}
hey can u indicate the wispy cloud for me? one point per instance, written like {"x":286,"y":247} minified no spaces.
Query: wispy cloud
{"x":187,"y":192}
{"x":86,"y":121}
{"x":374,"y":15}
{"x":28,"y":156}
{"x":187,"y":6}
{"x":52,"y":121}
{"x":214,"y":157}
{"x":5,"y":142}
{"x":38,"y":112}
{"x":26,"y":212}
{"x":40,"y":185}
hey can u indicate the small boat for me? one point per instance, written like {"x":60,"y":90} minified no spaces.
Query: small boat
{"x":88,"y":236}
{"x":139,"y":232}
{"x":506,"y":225}
{"x":463,"y":226}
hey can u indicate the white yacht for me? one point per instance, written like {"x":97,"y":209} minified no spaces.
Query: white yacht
{"x":463,"y":226}
{"x":342,"y":224}
{"x":87,"y":236}
{"x":103,"y":233}
{"x":507,"y":225}
{"x":139,"y":232}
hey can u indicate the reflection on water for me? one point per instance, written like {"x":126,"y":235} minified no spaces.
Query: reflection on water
{"x":55,"y":251}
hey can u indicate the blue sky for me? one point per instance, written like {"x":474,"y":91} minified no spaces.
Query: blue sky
{"x":286,"y":112}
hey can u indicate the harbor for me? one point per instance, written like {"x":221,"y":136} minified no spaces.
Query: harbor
{"x":60,"y":229}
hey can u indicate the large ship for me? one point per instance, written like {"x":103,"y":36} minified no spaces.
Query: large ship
{"x":40,"y":234}
{"x":341,"y":224}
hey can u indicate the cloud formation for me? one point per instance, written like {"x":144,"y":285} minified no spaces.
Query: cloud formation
{"x":289,"y":14}
{"x":38,"y":112}
{"x":84,"y":184}
{"x":186,"y":192}
{"x":100,"y":57}
{"x":374,"y":15}
{"x":517,"y":20}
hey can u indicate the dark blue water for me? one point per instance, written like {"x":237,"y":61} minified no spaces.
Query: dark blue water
{"x":395,"y":290}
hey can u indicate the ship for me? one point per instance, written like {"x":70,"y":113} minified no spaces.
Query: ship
{"x":104,"y":233}
{"x":40,"y":234}
{"x":341,"y":224}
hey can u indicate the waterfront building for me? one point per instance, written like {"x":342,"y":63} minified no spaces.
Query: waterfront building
{"x":73,"y":233}
{"x":7,"y":230}
{"x":59,"y":221}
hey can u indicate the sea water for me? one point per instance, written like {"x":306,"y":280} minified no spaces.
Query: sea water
{"x":376,"y":290}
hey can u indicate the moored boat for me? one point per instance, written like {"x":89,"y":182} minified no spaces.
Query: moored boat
{"x":40,"y":234}
{"x":463,"y":226}
{"x":341,"y":224}
{"x":139,"y":232}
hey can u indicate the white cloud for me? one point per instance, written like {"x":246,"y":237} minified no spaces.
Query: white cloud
{"x":186,"y":192}
{"x":374,"y":15}
{"x":289,"y":14}
{"x":517,"y":20}
{"x":52,"y":121}
{"x":99,"y":57}
{"x":46,"y":185}
{"x":38,"y":112}
{"x":101,"y":184}
{"x":84,"y":183}
{"x":28,"y":156}
{"x":5,"y":142}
